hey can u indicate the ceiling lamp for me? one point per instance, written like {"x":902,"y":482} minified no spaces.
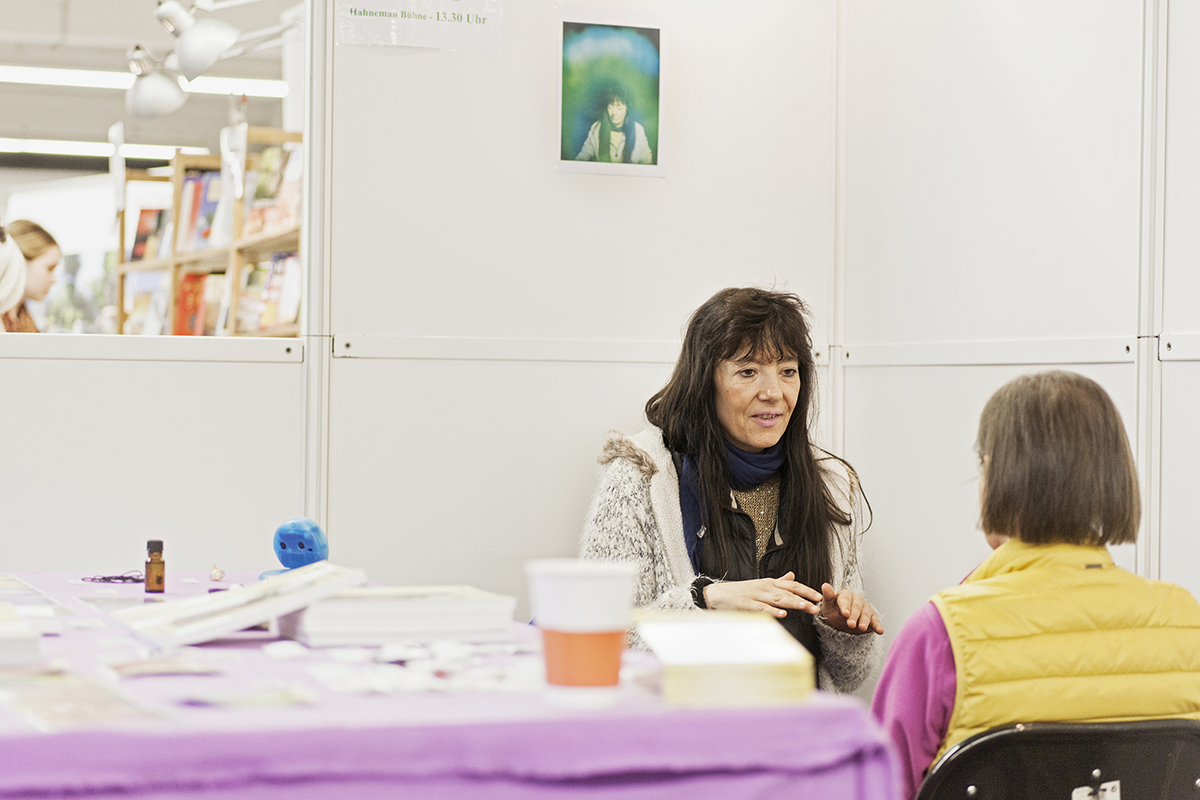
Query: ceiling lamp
{"x":200,"y":43}
{"x":153,"y":93}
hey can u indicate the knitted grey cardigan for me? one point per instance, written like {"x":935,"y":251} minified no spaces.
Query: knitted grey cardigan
{"x":635,"y":516}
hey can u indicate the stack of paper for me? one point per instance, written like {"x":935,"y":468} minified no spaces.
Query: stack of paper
{"x":378,"y":615}
{"x":20,"y":644}
{"x":726,"y":659}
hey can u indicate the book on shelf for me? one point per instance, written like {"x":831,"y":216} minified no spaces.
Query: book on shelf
{"x":277,"y":185}
{"x":148,"y":236}
{"x":250,"y":300}
{"x":286,"y":213}
{"x":732,"y":659}
{"x":146,"y":300}
{"x":214,"y":302}
{"x":205,"y":214}
{"x":287,"y":265}
{"x":374,"y":615}
{"x":189,"y":305}
{"x":189,"y":209}
{"x":223,"y":303}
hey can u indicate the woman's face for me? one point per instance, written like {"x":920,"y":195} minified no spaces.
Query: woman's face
{"x":39,"y":274}
{"x":616,"y":112}
{"x":755,"y":400}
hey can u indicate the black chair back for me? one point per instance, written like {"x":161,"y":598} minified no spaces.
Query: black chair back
{"x":1142,"y":760}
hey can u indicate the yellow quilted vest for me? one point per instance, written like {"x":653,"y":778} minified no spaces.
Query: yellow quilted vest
{"x":1058,"y":632}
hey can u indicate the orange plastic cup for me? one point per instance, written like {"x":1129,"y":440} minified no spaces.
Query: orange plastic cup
{"x":582,"y":608}
{"x":583,"y":659}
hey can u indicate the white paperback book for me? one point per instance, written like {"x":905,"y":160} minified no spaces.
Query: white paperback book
{"x":373,"y":615}
{"x":726,"y":658}
{"x":192,"y":620}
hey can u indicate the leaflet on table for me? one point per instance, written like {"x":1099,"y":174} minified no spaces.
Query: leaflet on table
{"x":32,"y":605}
{"x":203,"y":618}
{"x":61,"y":701}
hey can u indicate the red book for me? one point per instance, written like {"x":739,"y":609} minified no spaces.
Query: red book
{"x":189,"y":306}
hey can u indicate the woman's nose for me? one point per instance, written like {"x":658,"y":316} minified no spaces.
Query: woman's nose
{"x":768,"y":388}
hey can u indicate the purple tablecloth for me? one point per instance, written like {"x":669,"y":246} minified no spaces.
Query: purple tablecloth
{"x":423,"y":744}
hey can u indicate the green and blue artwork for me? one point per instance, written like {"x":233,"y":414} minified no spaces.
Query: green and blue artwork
{"x":610,"y":86}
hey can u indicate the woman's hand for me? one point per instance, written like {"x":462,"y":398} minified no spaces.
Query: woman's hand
{"x":848,"y":611}
{"x":775,"y":596}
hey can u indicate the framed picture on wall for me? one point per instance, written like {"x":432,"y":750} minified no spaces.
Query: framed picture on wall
{"x":610,"y":118}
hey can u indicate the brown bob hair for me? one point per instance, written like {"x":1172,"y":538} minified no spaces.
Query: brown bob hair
{"x":1056,"y":463}
{"x":32,"y":238}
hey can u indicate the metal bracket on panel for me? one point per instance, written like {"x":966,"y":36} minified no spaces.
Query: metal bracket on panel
{"x":344,"y":346}
{"x":1179,"y":347}
{"x":294,"y":348}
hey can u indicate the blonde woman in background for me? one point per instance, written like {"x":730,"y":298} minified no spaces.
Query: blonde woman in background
{"x":41,"y":255}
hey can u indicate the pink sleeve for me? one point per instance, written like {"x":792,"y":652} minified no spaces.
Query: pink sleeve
{"x":915,"y":693}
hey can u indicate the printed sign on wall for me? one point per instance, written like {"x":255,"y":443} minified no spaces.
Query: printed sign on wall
{"x":438,"y":24}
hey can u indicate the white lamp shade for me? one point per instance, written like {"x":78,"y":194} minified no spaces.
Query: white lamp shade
{"x":199,"y":47}
{"x":153,"y":95}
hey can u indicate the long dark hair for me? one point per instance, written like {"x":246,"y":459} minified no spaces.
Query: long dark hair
{"x":604,"y":147}
{"x":768,"y":326}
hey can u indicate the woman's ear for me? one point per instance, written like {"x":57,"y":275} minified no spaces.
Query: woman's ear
{"x":994,"y":540}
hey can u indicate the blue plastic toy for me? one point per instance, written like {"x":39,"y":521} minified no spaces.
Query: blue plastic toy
{"x":298,"y":541}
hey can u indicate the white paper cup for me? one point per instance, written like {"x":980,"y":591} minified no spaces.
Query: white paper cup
{"x":583,"y":610}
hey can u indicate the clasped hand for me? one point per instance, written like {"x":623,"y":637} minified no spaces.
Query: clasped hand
{"x":842,"y":610}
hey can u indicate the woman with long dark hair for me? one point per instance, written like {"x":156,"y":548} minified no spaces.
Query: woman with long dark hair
{"x":616,"y":137}
{"x":726,"y":503}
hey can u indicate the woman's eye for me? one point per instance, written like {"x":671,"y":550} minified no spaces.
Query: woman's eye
{"x":789,"y":373}
{"x":747,"y":373}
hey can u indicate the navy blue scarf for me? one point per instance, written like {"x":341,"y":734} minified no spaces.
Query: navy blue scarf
{"x":746,"y":470}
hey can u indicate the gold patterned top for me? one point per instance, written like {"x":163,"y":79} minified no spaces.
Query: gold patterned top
{"x":762,"y":504}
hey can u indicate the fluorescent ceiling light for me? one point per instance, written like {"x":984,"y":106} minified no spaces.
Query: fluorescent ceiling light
{"x":50,"y":147}
{"x":251,"y":87}
{"x":96,"y":79}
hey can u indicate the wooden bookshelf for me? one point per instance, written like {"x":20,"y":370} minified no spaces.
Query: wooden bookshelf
{"x":232,"y":260}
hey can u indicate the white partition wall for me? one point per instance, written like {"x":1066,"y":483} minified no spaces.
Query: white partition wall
{"x":111,"y":441}
{"x":994,"y":160}
{"x":1179,"y":330}
{"x":493,"y":317}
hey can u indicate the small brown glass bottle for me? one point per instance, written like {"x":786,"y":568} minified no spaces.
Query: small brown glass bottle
{"x":156,"y":568}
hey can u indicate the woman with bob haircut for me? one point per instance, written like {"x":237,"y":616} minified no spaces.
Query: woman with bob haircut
{"x":1047,"y":628}
{"x":724,"y":502}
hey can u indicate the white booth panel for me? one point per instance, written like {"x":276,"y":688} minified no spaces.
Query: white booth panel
{"x":101,"y":455}
{"x":993,"y":157}
{"x":1179,"y":540}
{"x":1181,"y":249}
{"x":910,"y":434}
{"x":451,"y":218}
{"x":460,"y":471}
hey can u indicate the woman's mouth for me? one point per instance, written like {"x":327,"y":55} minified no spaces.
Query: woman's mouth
{"x":766,"y":420}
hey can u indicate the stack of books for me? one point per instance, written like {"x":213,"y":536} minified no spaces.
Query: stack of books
{"x":376,"y":615}
{"x":726,"y":659}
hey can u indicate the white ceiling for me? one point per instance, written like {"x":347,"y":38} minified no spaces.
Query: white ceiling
{"x":95,"y":34}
